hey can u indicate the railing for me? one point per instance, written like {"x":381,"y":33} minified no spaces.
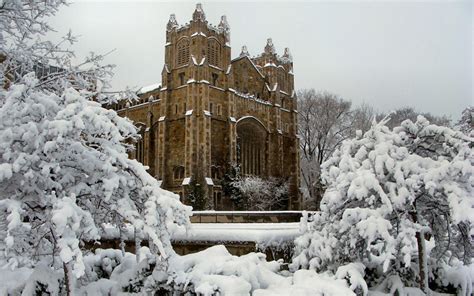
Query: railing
{"x":246,"y":216}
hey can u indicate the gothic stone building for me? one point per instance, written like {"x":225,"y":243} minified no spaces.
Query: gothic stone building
{"x":211,"y":111}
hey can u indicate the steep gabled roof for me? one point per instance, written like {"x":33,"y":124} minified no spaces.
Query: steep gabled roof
{"x":247,"y":59}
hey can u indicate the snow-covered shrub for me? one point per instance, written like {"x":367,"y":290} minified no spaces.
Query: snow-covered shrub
{"x":43,"y":281}
{"x":466,"y":123}
{"x":261,"y":194}
{"x":401,"y":202}
{"x":64,"y":172}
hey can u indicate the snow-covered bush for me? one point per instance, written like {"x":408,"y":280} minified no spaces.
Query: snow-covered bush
{"x":261,"y":194}
{"x":64,"y":172}
{"x":466,"y":123}
{"x":401,"y":202}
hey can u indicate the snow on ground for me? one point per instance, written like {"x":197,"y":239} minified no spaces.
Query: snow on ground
{"x":263,"y":234}
{"x":253,"y":232}
{"x":250,"y":274}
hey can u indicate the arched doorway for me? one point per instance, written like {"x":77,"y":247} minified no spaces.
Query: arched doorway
{"x":251,"y":146}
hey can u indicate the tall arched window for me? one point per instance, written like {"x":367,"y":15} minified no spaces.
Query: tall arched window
{"x":213,"y":52}
{"x":140,"y":145}
{"x":178,"y":172}
{"x":183,"y":52}
{"x":251,"y":141}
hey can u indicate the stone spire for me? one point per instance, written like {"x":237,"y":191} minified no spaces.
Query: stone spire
{"x":287,"y":55}
{"x":244,"y":51}
{"x":172,"y":23}
{"x":224,"y":28}
{"x":269,"y":48}
{"x":198,"y":14}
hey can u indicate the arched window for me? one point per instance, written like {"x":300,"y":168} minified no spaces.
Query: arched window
{"x":251,"y":141}
{"x":213,"y":52}
{"x":140,"y":145}
{"x":183,"y":52}
{"x":215,"y":172}
{"x":178,"y":172}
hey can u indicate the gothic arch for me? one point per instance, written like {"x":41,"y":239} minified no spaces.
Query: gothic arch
{"x":213,"y":52}
{"x":182,"y":47}
{"x":252,"y":143}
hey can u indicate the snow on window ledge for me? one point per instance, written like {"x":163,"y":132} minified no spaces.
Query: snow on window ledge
{"x":186,"y":181}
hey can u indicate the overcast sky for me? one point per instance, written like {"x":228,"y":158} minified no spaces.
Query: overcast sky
{"x":387,"y":54}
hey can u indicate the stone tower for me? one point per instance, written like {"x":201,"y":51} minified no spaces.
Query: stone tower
{"x":212,"y":111}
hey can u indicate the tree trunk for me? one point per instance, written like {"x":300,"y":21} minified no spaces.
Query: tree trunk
{"x":422,"y":261}
{"x":68,"y":280}
{"x":422,"y":256}
{"x":137,"y":245}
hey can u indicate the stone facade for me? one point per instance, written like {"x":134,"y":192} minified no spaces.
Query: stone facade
{"x":211,"y":111}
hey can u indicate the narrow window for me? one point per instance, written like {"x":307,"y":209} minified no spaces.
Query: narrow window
{"x":181,"y":78}
{"x":215,"y":77}
{"x":211,"y":108}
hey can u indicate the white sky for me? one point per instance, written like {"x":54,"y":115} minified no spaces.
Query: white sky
{"x":387,"y":54}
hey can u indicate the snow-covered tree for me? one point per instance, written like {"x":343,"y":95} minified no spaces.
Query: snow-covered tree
{"x":395,"y":199}
{"x":64,"y":172}
{"x":403,"y":113}
{"x":466,"y":123}
{"x":229,"y":187}
{"x":324,"y":121}
{"x":259,"y":194}
{"x":25,"y":48}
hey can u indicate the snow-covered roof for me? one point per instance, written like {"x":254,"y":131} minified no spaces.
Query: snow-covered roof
{"x":159,"y":183}
{"x":148,"y":88}
{"x":198,"y":33}
{"x":186,"y":181}
{"x":209,"y":181}
{"x":200,"y":63}
{"x":251,"y":62}
{"x":269,"y":65}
